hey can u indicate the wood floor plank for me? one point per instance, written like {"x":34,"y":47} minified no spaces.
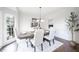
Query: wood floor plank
{"x":66,"y":47}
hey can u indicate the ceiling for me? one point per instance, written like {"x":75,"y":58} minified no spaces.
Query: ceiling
{"x":45,"y":11}
{"x":35,"y":11}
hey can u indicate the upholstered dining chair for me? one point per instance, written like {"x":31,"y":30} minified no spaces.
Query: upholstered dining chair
{"x":16,"y":38}
{"x":38,"y":39}
{"x":20,"y":43}
{"x":50,"y":37}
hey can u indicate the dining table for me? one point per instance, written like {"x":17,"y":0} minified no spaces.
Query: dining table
{"x":30,"y":34}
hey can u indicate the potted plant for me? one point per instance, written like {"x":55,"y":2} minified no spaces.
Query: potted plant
{"x":72,"y":23}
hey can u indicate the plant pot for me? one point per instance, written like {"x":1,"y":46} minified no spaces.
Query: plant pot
{"x":72,"y":43}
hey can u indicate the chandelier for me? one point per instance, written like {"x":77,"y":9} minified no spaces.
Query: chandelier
{"x":40,"y":19}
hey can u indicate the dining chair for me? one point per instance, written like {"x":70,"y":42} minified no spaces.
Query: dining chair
{"x":16,"y":38}
{"x":18,"y":41}
{"x":50,"y":37}
{"x":38,"y":39}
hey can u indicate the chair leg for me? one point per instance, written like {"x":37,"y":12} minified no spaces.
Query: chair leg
{"x":50,"y":43}
{"x":42,"y":46}
{"x":34,"y":49}
{"x":16,"y":47}
{"x":27,"y":44}
{"x":31,"y":45}
{"x":53,"y":41}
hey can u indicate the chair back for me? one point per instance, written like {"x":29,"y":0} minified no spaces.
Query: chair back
{"x":16,"y":36}
{"x":51,"y":34}
{"x":38,"y":36}
{"x":15,"y":32}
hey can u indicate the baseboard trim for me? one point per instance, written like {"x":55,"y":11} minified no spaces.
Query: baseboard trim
{"x":6,"y":45}
{"x":60,"y":38}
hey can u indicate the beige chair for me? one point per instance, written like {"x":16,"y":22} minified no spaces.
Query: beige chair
{"x":50,"y":37}
{"x":38,"y":39}
{"x":16,"y":37}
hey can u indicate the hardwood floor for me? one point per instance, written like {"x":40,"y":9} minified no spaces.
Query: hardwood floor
{"x":66,"y":47}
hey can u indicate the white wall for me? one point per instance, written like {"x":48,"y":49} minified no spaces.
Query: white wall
{"x":76,"y":37}
{"x":25,"y":23}
{"x":44,"y":24}
{"x":0,"y":29}
{"x":59,"y":16}
{"x":56,"y":17}
{"x":3,"y":34}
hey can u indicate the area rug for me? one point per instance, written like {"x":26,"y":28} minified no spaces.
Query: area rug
{"x":46,"y":47}
{"x":22,"y":47}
